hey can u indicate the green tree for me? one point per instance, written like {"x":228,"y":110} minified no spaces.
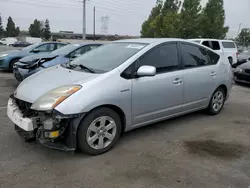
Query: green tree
{"x":11,"y":30}
{"x":46,"y":30}
{"x":17,"y":31}
{"x":36,"y":29}
{"x":190,"y":19}
{"x":1,"y":27}
{"x":168,"y":23}
{"x":148,"y":29}
{"x":244,"y":37}
{"x":213,"y":20}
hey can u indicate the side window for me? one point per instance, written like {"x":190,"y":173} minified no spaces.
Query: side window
{"x":46,"y":48}
{"x":194,"y":56}
{"x":216,"y":45}
{"x":60,"y":45}
{"x":228,"y":45}
{"x":163,"y":58}
{"x":213,"y":57}
{"x":207,"y":44}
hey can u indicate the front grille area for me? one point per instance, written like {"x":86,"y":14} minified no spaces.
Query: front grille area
{"x":23,"y":106}
{"x":243,"y":77}
{"x":247,"y":71}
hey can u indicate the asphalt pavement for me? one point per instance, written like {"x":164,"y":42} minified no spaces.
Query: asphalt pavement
{"x":193,"y":151}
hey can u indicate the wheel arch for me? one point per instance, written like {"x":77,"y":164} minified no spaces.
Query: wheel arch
{"x":224,"y":87}
{"x":13,"y":59}
{"x":118,"y":110}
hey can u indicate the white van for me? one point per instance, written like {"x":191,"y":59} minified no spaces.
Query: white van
{"x":226,"y":47}
{"x":8,"y":41}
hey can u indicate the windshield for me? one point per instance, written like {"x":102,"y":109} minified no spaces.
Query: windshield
{"x":245,"y":53}
{"x":65,"y":50}
{"x":31,"y":47}
{"x":109,"y":56}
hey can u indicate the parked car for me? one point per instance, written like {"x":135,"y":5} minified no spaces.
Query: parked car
{"x":8,"y":41}
{"x":20,"y":44}
{"x":118,"y":87}
{"x":225,"y":47}
{"x":29,"y":65}
{"x":242,"y":73}
{"x":8,"y":58}
{"x":243,"y":57}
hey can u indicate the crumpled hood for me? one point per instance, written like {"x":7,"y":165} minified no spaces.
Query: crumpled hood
{"x":31,"y":58}
{"x":38,"y":84}
{"x":245,"y":65}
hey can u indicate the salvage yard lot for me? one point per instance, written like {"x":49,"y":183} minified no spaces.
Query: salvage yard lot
{"x":195,"y":150}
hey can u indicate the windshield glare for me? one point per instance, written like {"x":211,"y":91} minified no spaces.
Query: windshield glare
{"x":65,"y":50}
{"x":109,"y":56}
{"x":31,"y":47}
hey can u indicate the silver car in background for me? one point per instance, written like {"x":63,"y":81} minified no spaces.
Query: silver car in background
{"x":89,"y":102}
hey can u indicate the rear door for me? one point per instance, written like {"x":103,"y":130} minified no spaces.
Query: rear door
{"x":199,"y":76}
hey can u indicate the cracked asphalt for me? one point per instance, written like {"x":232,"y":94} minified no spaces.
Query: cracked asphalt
{"x":192,"y":151}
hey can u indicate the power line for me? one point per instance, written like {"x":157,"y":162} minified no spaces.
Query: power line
{"x":118,"y":12}
{"x":119,"y":6}
{"x":56,"y":5}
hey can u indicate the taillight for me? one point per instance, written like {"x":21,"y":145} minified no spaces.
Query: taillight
{"x":237,"y":53}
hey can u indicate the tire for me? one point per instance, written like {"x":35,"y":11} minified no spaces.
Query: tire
{"x":94,"y":129}
{"x":230,"y":59}
{"x":12,"y":64}
{"x":216,"y":102}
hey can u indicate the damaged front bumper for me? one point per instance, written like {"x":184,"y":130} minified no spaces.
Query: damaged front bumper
{"x":22,"y":71}
{"x":53,"y":130}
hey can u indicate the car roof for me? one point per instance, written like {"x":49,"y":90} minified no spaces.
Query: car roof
{"x":150,"y":40}
{"x":211,"y":39}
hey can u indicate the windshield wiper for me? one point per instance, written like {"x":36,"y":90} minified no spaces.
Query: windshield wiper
{"x":73,"y":66}
{"x":85,"y":68}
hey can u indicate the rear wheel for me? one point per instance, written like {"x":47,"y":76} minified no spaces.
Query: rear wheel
{"x":217,"y":102}
{"x":99,"y":131}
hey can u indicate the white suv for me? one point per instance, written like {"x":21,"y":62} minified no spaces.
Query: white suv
{"x":225,"y":47}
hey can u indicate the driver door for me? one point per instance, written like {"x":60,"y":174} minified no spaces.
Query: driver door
{"x":161,"y":96}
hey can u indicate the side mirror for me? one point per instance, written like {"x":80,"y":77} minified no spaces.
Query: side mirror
{"x":35,"y":50}
{"x":146,"y":71}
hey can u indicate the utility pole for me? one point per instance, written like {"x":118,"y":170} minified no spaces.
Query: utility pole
{"x":239,"y":29}
{"x":94,"y":24}
{"x":83,"y":19}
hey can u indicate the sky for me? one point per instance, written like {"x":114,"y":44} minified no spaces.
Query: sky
{"x":124,"y":17}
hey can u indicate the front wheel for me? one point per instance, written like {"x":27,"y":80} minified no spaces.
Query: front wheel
{"x":217,"y":102}
{"x":99,"y":131}
{"x":11,"y":65}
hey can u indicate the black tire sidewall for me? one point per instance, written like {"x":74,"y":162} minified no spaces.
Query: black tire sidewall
{"x":85,"y":123}
{"x":12,"y":64}
{"x":210,"y":108}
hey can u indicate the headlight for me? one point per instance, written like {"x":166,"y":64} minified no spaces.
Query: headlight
{"x":54,"y":97}
{"x":239,"y":70}
{"x":3,"y":55}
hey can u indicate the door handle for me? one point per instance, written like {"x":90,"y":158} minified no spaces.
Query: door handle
{"x":213,"y":74}
{"x":177,"y":81}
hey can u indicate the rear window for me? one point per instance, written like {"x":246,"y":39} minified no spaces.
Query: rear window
{"x":228,"y":45}
{"x":215,"y":45}
{"x":213,"y":57}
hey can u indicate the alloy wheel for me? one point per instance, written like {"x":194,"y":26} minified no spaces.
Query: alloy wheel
{"x":101,"y":132}
{"x":218,"y":100}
